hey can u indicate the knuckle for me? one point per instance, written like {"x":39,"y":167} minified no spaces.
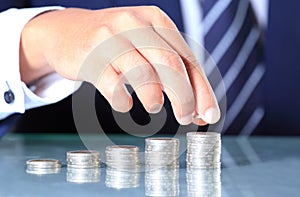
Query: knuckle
{"x":126,"y":16}
{"x":95,"y":36}
{"x":156,"y":11}
{"x":103,"y":31}
{"x":141,"y":75}
{"x":173,"y":60}
{"x":105,"y":91}
{"x":159,"y":16}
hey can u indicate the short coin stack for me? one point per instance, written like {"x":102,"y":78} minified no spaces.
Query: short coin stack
{"x":83,"y":159}
{"x":122,"y":156}
{"x":122,"y":166}
{"x":162,"y":167}
{"x":43,"y":166}
{"x":83,"y":166}
{"x":203,"y":150}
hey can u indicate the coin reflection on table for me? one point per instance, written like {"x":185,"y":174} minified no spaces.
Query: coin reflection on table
{"x":122,"y":178}
{"x":83,"y":175}
{"x":44,"y":171}
{"x":163,"y":181}
{"x":203,"y":182}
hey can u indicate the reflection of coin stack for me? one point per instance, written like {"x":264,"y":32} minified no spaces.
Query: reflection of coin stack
{"x":123,"y":166}
{"x":203,"y":182}
{"x":83,"y":166}
{"x":83,"y":175}
{"x":162,"y":167}
{"x":121,"y":179}
{"x":203,"y":150}
{"x":43,"y":166}
{"x":162,"y":181}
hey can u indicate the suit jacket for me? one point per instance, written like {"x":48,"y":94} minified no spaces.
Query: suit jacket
{"x":282,"y":53}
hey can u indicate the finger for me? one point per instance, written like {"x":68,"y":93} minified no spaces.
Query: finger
{"x":170,"y":69}
{"x":142,"y":77}
{"x":175,"y":82}
{"x":206,"y":104}
{"x":127,"y":60}
{"x":112,"y":88}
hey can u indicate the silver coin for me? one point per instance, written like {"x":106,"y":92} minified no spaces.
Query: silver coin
{"x":83,"y":154}
{"x":43,"y":163}
{"x":43,"y":166}
{"x":201,"y":134}
{"x":83,"y":159}
{"x":122,"y":148}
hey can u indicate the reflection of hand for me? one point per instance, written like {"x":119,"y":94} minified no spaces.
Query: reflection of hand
{"x":62,"y":40}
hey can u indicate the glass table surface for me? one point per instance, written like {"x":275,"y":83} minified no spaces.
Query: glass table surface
{"x":254,"y":166}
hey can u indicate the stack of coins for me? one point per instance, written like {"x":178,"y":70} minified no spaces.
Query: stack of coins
{"x":122,"y":166}
{"x":43,"y":166}
{"x":201,"y":182}
{"x":162,"y":152}
{"x":203,"y":150}
{"x":163,"y":181}
{"x":122,"y":156}
{"x":83,"y":159}
{"x":83,"y":166}
{"x":162,"y":167}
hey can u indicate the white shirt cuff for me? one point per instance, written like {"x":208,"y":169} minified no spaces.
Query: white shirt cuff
{"x":46,"y":91}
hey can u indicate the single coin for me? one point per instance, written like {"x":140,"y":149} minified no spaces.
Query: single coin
{"x":43,"y":163}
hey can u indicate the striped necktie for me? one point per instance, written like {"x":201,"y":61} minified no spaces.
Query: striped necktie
{"x":233,"y":40}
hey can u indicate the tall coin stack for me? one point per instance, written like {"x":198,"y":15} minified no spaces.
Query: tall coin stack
{"x":162,"y":152}
{"x":83,"y":166}
{"x":162,"y":167}
{"x":122,"y":166}
{"x":203,"y":173}
{"x":203,"y":150}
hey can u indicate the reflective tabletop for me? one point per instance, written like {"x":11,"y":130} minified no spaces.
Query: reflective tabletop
{"x":255,"y":166}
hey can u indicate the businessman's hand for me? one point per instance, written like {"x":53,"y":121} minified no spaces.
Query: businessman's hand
{"x":145,"y":50}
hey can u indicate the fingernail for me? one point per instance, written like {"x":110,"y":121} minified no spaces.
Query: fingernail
{"x":186,"y":119}
{"x":155,"y":108}
{"x":211,"y":115}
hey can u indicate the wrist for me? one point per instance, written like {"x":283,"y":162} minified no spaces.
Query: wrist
{"x":33,"y":64}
